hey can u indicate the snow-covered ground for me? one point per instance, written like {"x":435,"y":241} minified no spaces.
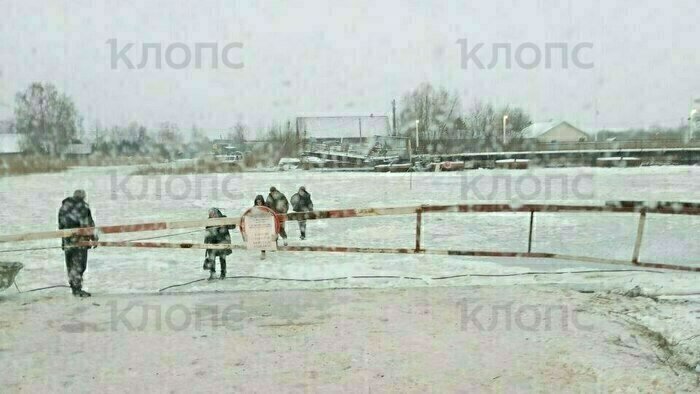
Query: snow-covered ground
{"x":31,"y":203}
{"x":447,"y":339}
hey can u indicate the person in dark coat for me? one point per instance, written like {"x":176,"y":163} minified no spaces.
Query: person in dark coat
{"x":75,"y":213}
{"x":217,"y":235}
{"x":301,"y":202}
{"x":260,"y":202}
{"x":278,"y":203}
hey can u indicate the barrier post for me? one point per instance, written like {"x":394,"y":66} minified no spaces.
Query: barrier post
{"x":419,"y":220}
{"x":640,"y":233}
{"x":529,"y":238}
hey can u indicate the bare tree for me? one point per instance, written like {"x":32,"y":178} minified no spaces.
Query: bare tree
{"x":47,"y":119}
{"x":485,"y":122}
{"x":169,"y":134}
{"x":435,"y":110}
{"x":239,"y":133}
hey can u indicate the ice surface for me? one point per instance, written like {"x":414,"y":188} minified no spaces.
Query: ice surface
{"x":402,"y":334}
{"x":116,"y":198}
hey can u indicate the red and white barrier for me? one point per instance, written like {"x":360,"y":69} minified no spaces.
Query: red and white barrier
{"x":615,"y":207}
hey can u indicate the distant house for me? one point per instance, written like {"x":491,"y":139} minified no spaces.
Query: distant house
{"x":78,"y":148}
{"x":9,"y":144}
{"x":7,"y":126}
{"x":345,"y":127}
{"x":551,"y":131}
{"x":9,"y":140}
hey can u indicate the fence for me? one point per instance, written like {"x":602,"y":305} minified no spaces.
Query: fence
{"x":632,"y":207}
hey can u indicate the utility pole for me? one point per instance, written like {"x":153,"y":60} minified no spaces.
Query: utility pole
{"x":359,"y":121}
{"x":417,"y":141}
{"x":691,"y":124}
{"x":393,"y":116}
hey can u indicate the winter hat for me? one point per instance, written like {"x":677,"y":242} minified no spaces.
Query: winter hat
{"x":273,"y":189}
{"x":79,"y":194}
{"x":302,"y":188}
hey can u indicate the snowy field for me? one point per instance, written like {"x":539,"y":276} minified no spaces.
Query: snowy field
{"x":286,"y":337}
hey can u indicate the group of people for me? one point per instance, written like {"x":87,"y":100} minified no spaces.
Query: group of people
{"x":277,"y":202}
{"x":75,"y":213}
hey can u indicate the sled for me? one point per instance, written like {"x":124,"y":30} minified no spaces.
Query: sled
{"x":8,"y":273}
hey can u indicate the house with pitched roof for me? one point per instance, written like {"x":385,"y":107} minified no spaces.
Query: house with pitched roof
{"x":554,"y":131}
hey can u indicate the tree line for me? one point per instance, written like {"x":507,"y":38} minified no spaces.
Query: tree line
{"x":443,"y":125}
{"x":49,"y":121}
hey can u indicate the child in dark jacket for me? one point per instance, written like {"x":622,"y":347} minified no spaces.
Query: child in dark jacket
{"x":217,"y":235}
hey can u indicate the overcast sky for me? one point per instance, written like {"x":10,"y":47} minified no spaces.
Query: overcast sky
{"x":316,"y":58}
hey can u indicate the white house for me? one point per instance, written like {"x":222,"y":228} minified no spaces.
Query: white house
{"x":553,"y":131}
{"x":9,"y":144}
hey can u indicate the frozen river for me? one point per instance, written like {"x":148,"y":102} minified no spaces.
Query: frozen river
{"x":31,"y":202}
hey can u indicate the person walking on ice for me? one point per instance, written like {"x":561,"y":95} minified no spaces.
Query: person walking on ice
{"x":301,"y":202}
{"x":75,"y":213}
{"x":278,"y":203}
{"x":217,"y":235}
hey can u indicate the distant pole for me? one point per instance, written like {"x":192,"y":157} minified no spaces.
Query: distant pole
{"x":360,"y":123}
{"x":417,"y":141}
{"x":691,"y":124}
{"x":393,"y":116}
{"x":505,"y":119}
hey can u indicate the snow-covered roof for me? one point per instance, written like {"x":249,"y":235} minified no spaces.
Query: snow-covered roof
{"x":343,"y":126}
{"x":537,"y":129}
{"x":9,"y":143}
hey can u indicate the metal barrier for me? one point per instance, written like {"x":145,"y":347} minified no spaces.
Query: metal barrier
{"x":642,"y":208}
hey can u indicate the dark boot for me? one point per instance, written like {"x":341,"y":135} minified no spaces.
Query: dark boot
{"x":212,"y":275}
{"x":80,"y":292}
{"x":222,"y":260}
{"x":302,"y":229}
